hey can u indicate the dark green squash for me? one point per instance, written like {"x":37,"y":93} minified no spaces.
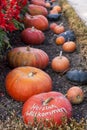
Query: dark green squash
{"x":68,"y":35}
{"x":77,"y":76}
{"x":53,"y":17}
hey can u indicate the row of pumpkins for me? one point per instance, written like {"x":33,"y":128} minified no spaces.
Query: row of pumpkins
{"x":27,"y":82}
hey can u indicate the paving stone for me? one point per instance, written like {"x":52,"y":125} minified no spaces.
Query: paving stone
{"x":80,"y":7}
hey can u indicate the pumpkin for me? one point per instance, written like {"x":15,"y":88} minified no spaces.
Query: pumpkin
{"x":69,"y":46}
{"x":37,"y":10}
{"x":32,"y":36}
{"x":60,"y":40}
{"x":60,"y":63}
{"x":53,"y":0}
{"x":57,"y":8}
{"x":38,"y":2}
{"x":53,"y":12}
{"x":75,"y":95}
{"x":27,"y":56}
{"x":59,"y":29}
{"x":51,"y":107}
{"x":23,"y":82}
{"x":48,"y":5}
{"x":39,"y":22}
{"x":52,"y":26}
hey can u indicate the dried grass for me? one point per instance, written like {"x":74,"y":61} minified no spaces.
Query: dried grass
{"x":79,"y":27}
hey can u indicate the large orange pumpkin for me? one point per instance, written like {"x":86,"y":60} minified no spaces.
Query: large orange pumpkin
{"x":27,"y":56}
{"x":39,"y":21}
{"x":37,"y":10}
{"x":23,"y":82}
{"x":32,"y":36}
{"x":51,"y":106}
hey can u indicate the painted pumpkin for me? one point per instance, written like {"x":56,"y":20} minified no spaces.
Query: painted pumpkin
{"x":60,"y":63}
{"x":75,"y":95}
{"x":37,"y":10}
{"x":38,"y":2}
{"x":23,"y":82}
{"x":27,"y":56}
{"x":39,"y":22}
{"x":32,"y":36}
{"x":51,"y":106}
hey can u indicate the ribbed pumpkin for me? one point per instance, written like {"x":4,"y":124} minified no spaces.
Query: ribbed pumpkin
{"x":32,"y":36}
{"x":38,"y":2}
{"x":39,"y":21}
{"x":24,"y":82}
{"x":37,"y":10}
{"x":27,"y":56}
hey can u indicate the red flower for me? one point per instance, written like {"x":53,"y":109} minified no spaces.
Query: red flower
{"x":10,"y":10}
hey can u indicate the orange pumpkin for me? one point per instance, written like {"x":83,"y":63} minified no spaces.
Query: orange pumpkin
{"x":57,"y":8}
{"x":27,"y":56}
{"x":38,"y":2}
{"x":52,"y":26}
{"x":59,"y":29}
{"x":39,"y":22}
{"x":51,"y":106}
{"x":69,"y":46}
{"x":60,"y":63}
{"x":53,"y":0}
{"x":32,"y":36}
{"x":37,"y":10}
{"x":48,"y":5}
{"x":23,"y":82}
{"x":75,"y":95}
{"x":53,"y":12}
{"x":60,"y":40}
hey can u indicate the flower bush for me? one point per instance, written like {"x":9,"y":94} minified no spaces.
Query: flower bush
{"x":10,"y":18}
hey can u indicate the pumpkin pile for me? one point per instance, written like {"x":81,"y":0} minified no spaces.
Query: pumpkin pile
{"x":27,"y":82}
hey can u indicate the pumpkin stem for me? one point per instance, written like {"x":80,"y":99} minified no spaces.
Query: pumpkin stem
{"x":60,"y":24}
{"x":60,"y":54}
{"x":28,"y":48}
{"x":47,"y":101}
{"x":33,"y":28}
{"x":31,"y":74}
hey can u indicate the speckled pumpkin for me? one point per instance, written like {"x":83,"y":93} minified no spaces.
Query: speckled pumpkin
{"x":27,"y":56}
